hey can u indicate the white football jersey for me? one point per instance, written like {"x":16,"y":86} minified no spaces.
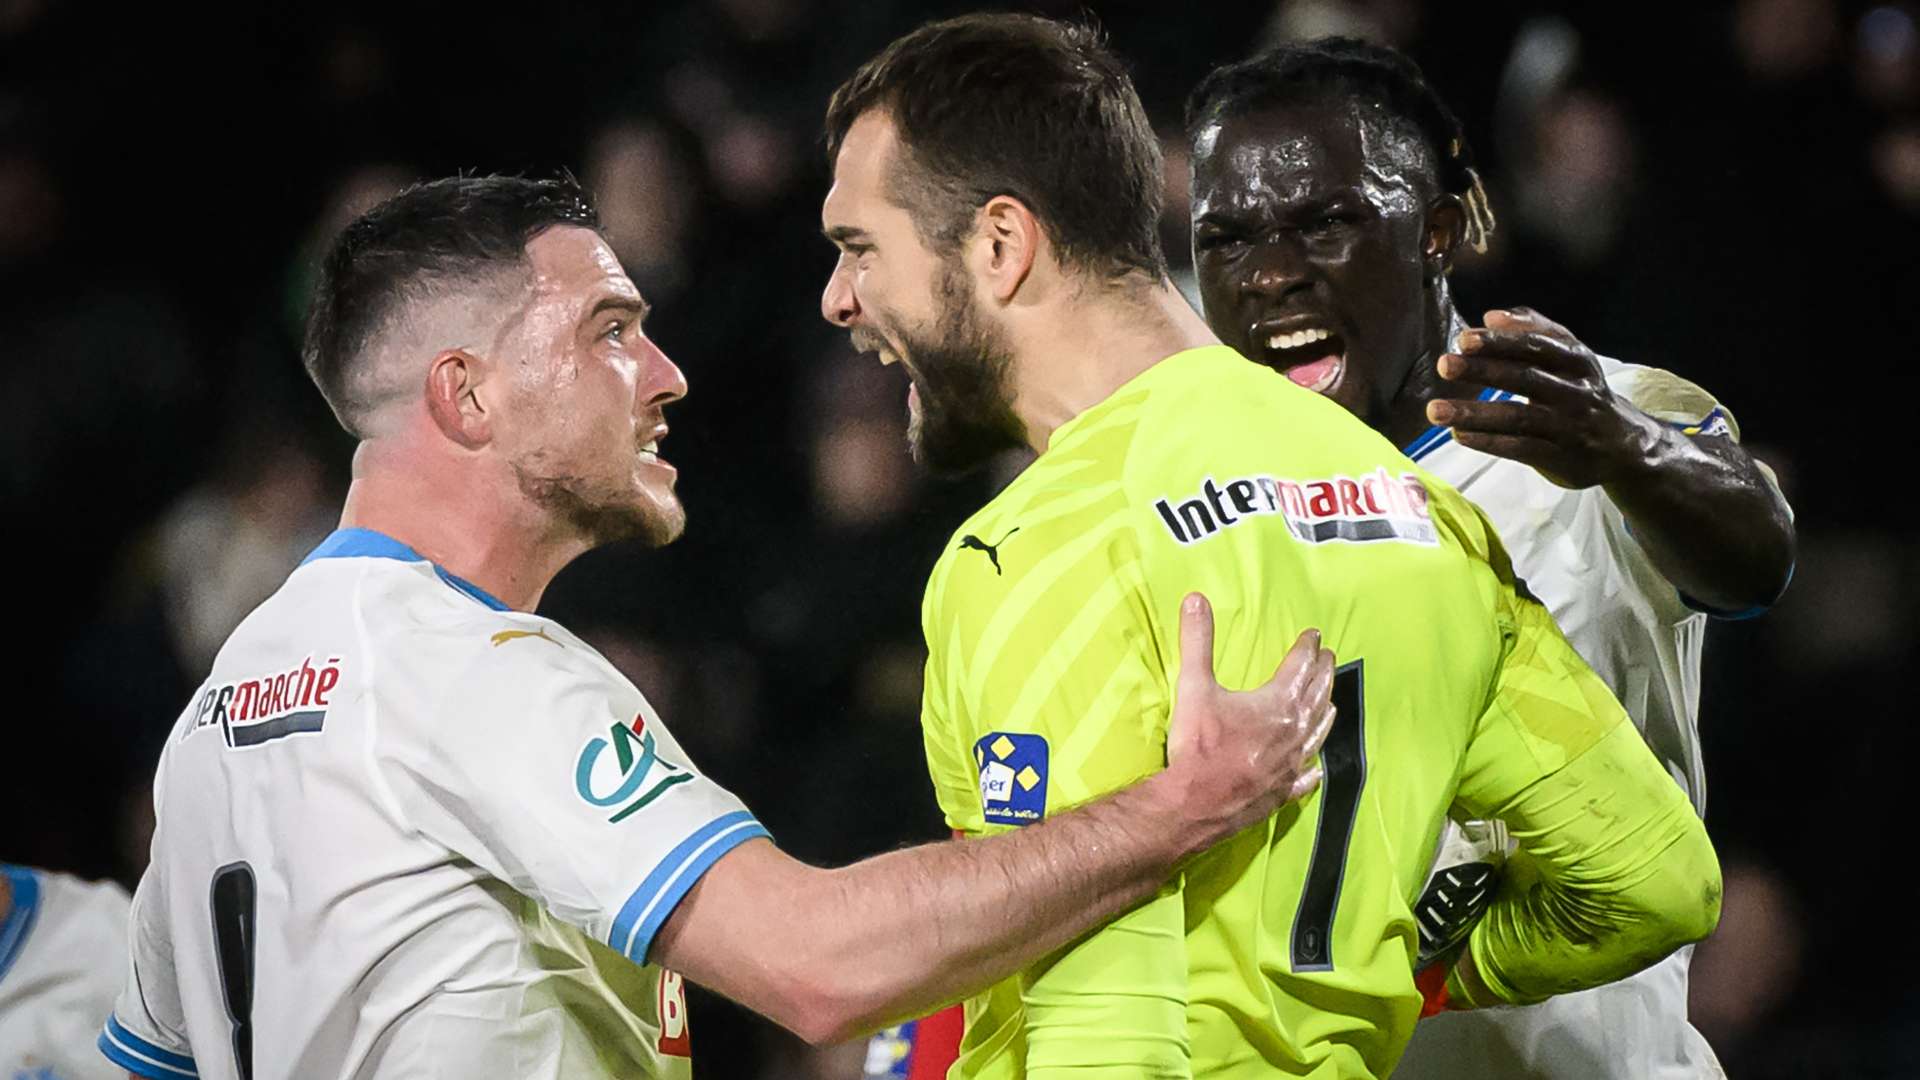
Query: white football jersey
{"x":404,"y":831}
{"x":1575,"y":552}
{"x":63,"y":959}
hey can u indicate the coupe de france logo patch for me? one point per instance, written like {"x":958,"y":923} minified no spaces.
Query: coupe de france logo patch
{"x":634,"y":769}
{"x":1013,"y":777}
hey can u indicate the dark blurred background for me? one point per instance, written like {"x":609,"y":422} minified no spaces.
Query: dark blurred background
{"x":1729,"y":190}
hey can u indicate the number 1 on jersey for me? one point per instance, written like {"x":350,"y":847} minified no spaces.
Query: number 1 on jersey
{"x":233,"y":899}
{"x":1344,"y":757}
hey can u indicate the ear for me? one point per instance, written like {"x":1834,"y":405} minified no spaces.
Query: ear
{"x":1007,"y":242}
{"x":1446,"y":227}
{"x":452,"y":381}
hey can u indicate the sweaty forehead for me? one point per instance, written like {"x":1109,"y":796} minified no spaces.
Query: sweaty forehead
{"x":568,"y":260}
{"x":1276,"y":157}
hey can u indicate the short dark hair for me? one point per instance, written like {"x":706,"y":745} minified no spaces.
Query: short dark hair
{"x":1308,"y":71}
{"x":461,"y":228}
{"x":1002,"y":104}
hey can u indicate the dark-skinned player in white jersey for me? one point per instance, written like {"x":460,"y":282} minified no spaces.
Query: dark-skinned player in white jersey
{"x":1332,"y":189}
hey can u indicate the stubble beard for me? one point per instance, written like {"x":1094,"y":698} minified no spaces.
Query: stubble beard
{"x":961,"y":371}
{"x":599,"y":511}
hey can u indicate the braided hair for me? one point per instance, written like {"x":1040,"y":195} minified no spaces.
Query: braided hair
{"x":1295,"y":72}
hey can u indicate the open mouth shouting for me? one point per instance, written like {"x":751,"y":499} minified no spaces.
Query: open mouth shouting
{"x":1305,"y":351}
{"x":649,"y":451}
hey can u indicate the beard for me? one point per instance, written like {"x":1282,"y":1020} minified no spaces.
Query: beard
{"x":602,"y":511}
{"x":960,"y":369}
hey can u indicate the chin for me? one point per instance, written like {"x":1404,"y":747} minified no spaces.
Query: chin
{"x":659,"y":520}
{"x":1350,"y":396}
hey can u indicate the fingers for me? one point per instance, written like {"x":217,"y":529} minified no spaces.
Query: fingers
{"x":1323,"y":723}
{"x":1304,"y":786}
{"x":1525,"y":378}
{"x":1526,"y":319}
{"x":1196,"y":640}
{"x":1319,"y":687}
{"x":1528,"y":346}
{"x":1297,"y":665}
{"x":1531,"y":450}
{"x":1305,"y":674}
{"x":1495,"y":417}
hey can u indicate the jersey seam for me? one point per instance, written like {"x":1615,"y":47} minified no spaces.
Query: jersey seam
{"x":1129,"y":494}
{"x":369,"y":754}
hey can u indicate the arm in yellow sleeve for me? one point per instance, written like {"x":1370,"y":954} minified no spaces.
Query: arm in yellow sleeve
{"x":1614,"y":869}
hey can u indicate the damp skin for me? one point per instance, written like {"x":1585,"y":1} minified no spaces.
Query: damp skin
{"x":1318,"y":213}
{"x":1393,"y":158}
{"x":1262,"y":177}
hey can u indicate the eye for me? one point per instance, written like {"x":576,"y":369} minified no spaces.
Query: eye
{"x":1218,"y":240}
{"x":1326,"y":223}
{"x":615,"y":331}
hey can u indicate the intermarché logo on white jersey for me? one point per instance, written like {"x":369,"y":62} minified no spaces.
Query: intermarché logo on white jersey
{"x":259,"y":710}
{"x":1354,"y":510}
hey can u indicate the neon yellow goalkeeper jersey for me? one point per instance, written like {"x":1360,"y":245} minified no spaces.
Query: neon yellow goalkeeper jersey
{"x":1052,"y":624}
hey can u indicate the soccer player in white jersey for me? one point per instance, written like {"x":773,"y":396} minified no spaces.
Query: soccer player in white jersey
{"x":407,"y":828}
{"x":1331,"y":189}
{"x":63,"y":958}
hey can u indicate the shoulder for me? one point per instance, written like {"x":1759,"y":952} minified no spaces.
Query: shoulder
{"x":507,"y":662}
{"x":1193,"y":391}
{"x":412,"y":650}
{"x":1670,"y":398}
{"x":1213,"y":410}
{"x":101,"y":906}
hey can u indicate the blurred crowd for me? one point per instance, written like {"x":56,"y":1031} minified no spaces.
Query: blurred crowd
{"x":1730,"y":190}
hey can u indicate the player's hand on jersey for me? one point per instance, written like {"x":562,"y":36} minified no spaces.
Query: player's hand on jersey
{"x":1239,"y":756}
{"x":1572,"y":427}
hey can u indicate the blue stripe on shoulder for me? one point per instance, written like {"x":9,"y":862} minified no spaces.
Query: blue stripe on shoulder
{"x":18,"y":925}
{"x":650,"y":904}
{"x":138,"y":1056}
{"x":373,"y":544}
{"x":1434,"y":437}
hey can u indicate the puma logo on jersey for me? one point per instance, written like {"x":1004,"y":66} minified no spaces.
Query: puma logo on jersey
{"x":1354,"y":510}
{"x":505,"y":636}
{"x":970,"y":542}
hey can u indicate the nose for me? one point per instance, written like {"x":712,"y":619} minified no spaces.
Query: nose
{"x":1276,"y":269}
{"x":838,"y":305}
{"x":661,"y":381}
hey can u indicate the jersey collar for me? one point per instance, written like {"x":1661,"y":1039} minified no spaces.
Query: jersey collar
{"x":19,"y":920}
{"x":372,"y":544}
{"x":1436,"y":436}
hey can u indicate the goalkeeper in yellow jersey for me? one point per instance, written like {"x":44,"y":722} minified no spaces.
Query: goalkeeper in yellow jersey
{"x":996,"y":189}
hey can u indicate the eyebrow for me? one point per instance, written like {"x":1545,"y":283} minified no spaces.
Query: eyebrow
{"x":1221,"y":217}
{"x":846,"y":234}
{"x":640,"y":308}
{"x":1240,"y":214}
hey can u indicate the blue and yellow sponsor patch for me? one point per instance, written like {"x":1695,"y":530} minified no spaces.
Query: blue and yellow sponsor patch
{"x":1714,"y":423}
{"x":889,"y":1052}
{"x":1013,"y":777}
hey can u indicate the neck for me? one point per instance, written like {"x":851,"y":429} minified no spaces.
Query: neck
{"x":1407,"y":413}
{"x":1075,"y":356}
{"x":455,"y":517}
{"x":6,"y":897}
